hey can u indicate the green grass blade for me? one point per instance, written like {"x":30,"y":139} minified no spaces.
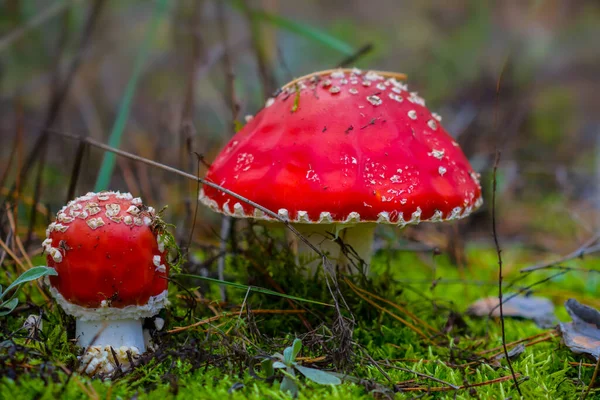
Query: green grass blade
{"x":252,"y":289}
{"x":108,"y":162}
{"x":300,"y":29}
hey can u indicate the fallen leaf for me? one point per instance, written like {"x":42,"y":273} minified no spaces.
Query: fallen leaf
{"x":538,"y":309}
{"x":582,"y":335}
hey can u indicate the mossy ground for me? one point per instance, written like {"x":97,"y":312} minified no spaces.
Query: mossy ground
{"x":212,"y":361}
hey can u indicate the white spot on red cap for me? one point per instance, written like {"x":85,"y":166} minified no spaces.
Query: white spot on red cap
{"x":337,"y":74}
{"x":112,"y":210}
{"x":439,"y":154}
{"x":60,"y":227}
{"x":92,"y":208}
{"x":244,"y":162}
{"x":432,"y":124}
{"x":95,"y":223}
{"x":442,"y":171}
{"x":353,"y":91}
{"x":311,"y":175}
{"x":437,"y":116}
{"x":62,"y":217}
{"x":412,"y":114}
{"x":396,"y":97}
{"x":373,"y":76}
{"x":334,"y":90}
{"x":283,"y":213}
{"x":269,"y":102}
{"x":133,"y":210}
{"x":56,"y":254}
{"x":374,"y":100}
{"x":103,"y":196}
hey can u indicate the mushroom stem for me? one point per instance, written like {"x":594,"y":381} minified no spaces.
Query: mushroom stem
{"x":115,"y":333}
{"x":358,"y":237}
{"x":105,"y":340}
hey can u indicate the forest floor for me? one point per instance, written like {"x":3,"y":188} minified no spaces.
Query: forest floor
{"x":402,"y":333}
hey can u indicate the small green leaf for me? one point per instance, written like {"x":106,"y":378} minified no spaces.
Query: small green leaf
{"x":296,"y":347}
{"x":278,"y":365}
{"x":267,"y":366}
{"x":10,"y":305}
{"x":318,"y":376}
{"x":31,"y":275}
{"x":288,"y":355}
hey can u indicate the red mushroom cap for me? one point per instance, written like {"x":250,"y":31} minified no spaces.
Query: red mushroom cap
{"x":107,"y":256}
{"x":345,"y":147}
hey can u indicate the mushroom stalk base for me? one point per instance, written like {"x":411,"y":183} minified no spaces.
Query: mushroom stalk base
{"x":357,"y":238}
{"x":109,"y":344}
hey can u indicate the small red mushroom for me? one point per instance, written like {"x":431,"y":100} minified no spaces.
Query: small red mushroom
{"x":345,"y":150}
{"x":112,"y":267}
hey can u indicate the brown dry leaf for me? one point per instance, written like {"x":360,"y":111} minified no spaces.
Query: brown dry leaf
{"x":582,"y":335}
{"x":538,"y":309}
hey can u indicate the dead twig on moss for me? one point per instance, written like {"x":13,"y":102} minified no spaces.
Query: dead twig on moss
{"x":589,"y":247}
{"x":499,"y":252}
{"x":550,"y":335}
{"x":447,"y":389}
{"x":594,"y":376}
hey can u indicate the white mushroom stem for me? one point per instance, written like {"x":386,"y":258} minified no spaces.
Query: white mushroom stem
{"x":99,"y":336}
{"x":358,"y":239}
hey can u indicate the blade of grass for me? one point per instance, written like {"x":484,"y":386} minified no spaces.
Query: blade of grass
{"x":108,"y":162}
{"x":300,"y":29}
{"x":252,"y":289}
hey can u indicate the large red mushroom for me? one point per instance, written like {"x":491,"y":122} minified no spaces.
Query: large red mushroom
{"x":338,"y":152}
{"x":110,"y":253}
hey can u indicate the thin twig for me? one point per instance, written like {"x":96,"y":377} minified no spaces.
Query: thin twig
{"x":499,"y":252}
{"x":592,"y":380}
{"x":585,"y":249}
{"x":446,"y":389}
{"x":422,"y":375}
{"x":351,"y":59}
